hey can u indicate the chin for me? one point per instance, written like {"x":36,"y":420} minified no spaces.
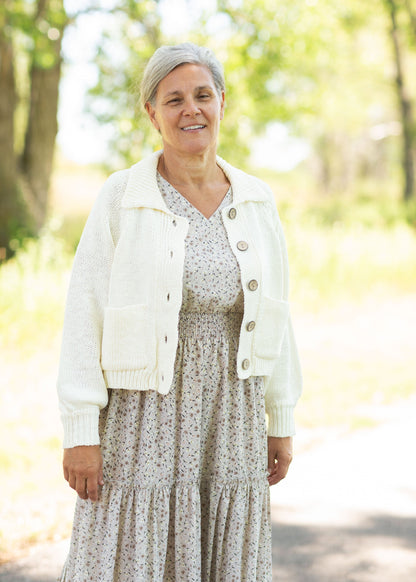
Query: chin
{"x":199,"y":148}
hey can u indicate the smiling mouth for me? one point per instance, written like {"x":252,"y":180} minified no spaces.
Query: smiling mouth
{"x":191,"y":127}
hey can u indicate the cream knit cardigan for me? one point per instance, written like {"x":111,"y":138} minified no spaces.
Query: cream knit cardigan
{"x":125,"y":294}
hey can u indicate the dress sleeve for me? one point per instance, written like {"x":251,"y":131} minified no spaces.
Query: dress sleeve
{"x":284,"y":386}
{"x":81,"y":387}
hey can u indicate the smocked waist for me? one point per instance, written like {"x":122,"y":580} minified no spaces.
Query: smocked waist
{"x":209,"y":325}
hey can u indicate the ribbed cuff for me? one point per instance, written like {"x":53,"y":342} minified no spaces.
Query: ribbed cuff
{"x":281,"y":421}
{"x":81,"y":429}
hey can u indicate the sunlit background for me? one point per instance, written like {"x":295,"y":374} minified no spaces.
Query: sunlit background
{"x":320,"y":100}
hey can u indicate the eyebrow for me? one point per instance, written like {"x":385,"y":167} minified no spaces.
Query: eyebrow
{"x":177,"y":92}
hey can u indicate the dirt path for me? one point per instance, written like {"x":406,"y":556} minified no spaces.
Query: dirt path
{"x":346,"y":512}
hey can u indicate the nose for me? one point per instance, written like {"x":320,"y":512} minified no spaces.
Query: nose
{"x":191,"y":107}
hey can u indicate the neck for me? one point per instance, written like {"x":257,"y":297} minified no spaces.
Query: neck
{"x":188,"y":170}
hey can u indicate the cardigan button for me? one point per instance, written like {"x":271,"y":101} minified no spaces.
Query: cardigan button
{"x":232,"y":213}
{"x":245,"y":364}
{"x":253,"y":285}
{"x":242,"y":245}
{"x":251,"y":325}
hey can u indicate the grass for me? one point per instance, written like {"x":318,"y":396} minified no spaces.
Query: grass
{"x":32,"y":290}
{"x":334,"y":265}
{"x":352,"y":280}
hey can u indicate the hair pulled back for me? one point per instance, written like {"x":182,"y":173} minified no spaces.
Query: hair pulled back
{"x":166,"y":58}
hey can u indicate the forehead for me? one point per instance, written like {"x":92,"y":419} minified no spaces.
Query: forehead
{"x":186,"y":76}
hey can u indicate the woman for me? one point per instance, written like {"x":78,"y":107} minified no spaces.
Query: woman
{"x":177,"y":342}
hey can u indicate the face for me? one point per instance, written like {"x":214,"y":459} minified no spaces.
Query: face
{"x":187,"y":110}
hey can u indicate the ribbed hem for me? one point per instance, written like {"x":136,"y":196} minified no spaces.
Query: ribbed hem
{"x":81,"y":429}
{"x":258,"y":366}
{"x":129,"y":379}
{"x":137,"y":380}
{"x":281,"y":420}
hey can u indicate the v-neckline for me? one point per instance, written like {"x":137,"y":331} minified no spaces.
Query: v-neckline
{"x":194,"y":208}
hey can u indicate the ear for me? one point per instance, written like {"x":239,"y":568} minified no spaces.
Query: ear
{"x":151,"y":112}
{"x":222,"y":105}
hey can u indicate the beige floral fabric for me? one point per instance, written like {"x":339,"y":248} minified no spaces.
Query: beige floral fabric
{"x":186,"y":497}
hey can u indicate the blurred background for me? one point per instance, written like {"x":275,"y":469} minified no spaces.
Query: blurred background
{"x":321,"y":99}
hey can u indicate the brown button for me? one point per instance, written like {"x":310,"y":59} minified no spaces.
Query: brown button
{"x":252,"y":285}
{"x":242,"y":245}
{"x":232,"y":213}
{"x":251,"y":325}
{"x":245,"y":364}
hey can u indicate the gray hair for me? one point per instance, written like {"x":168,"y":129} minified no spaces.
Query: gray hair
{"x":166,"y":58}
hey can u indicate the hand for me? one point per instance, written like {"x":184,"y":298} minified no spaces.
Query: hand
{"x":280,"y":454}
{"x":83,"y":469}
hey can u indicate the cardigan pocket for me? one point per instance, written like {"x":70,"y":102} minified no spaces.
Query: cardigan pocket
{"x":270,"y":328}
{"x":128,"y":340}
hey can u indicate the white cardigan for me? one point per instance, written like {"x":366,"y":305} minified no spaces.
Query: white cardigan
{"x":125,"y":294}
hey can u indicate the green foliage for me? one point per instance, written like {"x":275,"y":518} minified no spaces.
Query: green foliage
{"x":35,"y":29}
{"x":31,"y":33}
{"x":319,"y":67}
{"x":341,"y":264}
{"x":410,"y":213}
{"x":323,"y":68}
{"x":135,"y":30}
{"x":69,"y":229}
{"x":32,"y":290}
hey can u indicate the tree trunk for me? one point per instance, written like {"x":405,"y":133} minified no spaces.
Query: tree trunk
{"x":405,"y":106}
{"x":11,"y":208}
{"x":412,"y":16}
{"x":42,"y":124}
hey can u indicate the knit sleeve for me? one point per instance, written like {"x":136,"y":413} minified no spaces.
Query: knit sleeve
{"x":81,"y":388}
{"x":284,"y":386}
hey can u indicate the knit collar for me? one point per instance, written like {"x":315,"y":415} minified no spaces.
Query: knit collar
{"x":142,"y":189}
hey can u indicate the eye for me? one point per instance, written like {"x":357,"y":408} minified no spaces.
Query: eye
{"x":204,"y":96}
{"x":174,"y":101}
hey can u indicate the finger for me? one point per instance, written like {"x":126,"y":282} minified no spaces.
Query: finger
{"x":92,"y":488}
{"x":66,"y":473}
{"x":100,"y":477}
{"x":72,"y":480}
{"x":272,"y":478}
{"x":81,"y":487}
{"x":271,"y":460}
{"x":280,"y":471}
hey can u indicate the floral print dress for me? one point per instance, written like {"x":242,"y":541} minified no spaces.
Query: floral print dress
{"x":186,"y":497}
